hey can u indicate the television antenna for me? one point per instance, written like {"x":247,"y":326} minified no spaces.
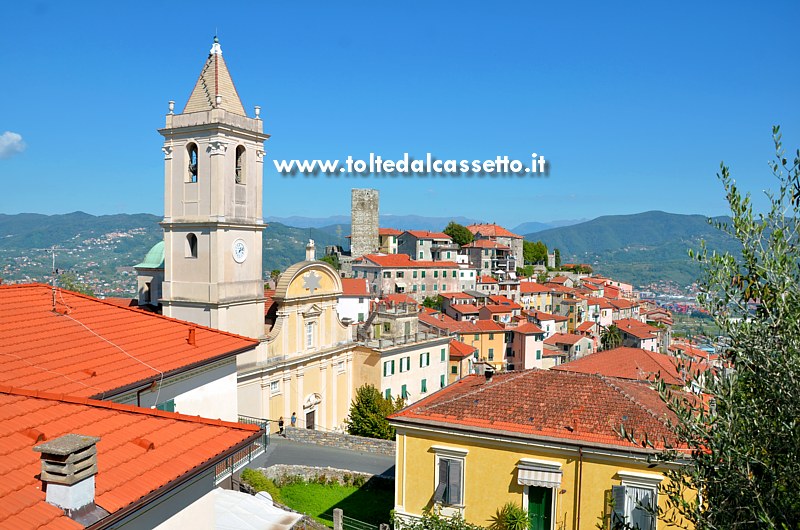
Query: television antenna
{"x":53,"y":250}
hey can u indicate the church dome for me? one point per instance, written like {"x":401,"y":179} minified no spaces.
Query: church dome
{"x":154,"y":258}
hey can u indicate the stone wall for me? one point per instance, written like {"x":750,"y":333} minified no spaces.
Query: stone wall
{"x":312,"y":474}
{"x":364,"y":222}
{"x":342,"y":441}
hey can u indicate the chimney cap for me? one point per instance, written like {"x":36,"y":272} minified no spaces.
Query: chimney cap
{"x":67,"y":444}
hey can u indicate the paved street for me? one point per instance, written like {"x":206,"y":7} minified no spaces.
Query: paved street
{"x":282,"y":451}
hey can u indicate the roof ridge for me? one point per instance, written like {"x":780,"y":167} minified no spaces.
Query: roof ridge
{"x":66,"y":398}
{"x":607,"y":381}
{"x":506,"y":376}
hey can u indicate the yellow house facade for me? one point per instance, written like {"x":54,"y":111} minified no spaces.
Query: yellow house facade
{"x":516,"y":437}
{"x":304,"y":366}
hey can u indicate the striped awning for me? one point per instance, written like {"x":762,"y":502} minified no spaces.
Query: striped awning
{"x":539,"y":473}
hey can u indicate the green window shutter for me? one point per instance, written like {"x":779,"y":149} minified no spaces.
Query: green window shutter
{"x":423,"y":287}
{"x":424,"y":385}
{"x":491,"y":336}
{"x":454,"y":369}
{"x":435,"y":286}
{"x":361,"y":317}
{"x":441,"y":381}
{"x":414,"y":274}
{"x":423,"y":275}
{"x":435,"y":274}
{"x":538,"y":354}
{"x":388,"y":393}
{"x":404,"y":392}
{"x":443,"y":355}
{"x":392,"y":368}
{"x":491,"y":354}
{"x":421,"y":355}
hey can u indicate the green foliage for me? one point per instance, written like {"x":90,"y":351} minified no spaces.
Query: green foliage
{"x":368,"y":414}
{"x":534,"y":253}
{"x":434,"y":302}
{"x":526,"y":271}
{"x":610,"y":338}
{"x":369,"y":503}
{"x":432,"y":520}
{"x":557,"y":254}
{"x":542,"y":277}
{"x":261,"y":483}
{"x":510,"y":517}
{"x":459,"y":233}
{"x":70,"y":282}
{"x":332,"y":260}
{"x":743,"y":446}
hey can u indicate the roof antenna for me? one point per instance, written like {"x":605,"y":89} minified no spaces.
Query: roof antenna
{"x":55,"y":272}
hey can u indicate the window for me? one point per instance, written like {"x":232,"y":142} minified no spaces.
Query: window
{"x":340,"y":367}
{"x":424,"y":359}
{"x":444,"y":355}
{"x":538,"y":355}
{"x":449,"y":476}
{"x":635,"y":499}
{"x":462,"y":274}
{"x":424,"y":386}
{"x":444,"y":287}
{"x":405,"y":364}
{"x":435,"y":286}
{"x":414,"y":274}
{"x":309,"y":335}
{"x":423,"y":287}
{"x":387,"y":274}
{"x":420,"y":255}
{"x":404,"y":392}
{"x":387,"y":327}
{"x":240,"y":164}
{"x":454,"y":369}
{"x":448,"y":255}
{"x":191,"y":246}
{"x":399,"y":274}
{"x":414,"y":288}
{"x":485,"y":264}
{"x":477,"y":336}
{"x":491,"y":354}
{"x":191,"y":153}
{"x":454,"y":274}
{"x":274,"y":387}
{"x":361,"y":317}
{"x":388,"y":368}
{"x":435,"y":274}
{"x":491,"y":336}
{"x":423,"y":275}
{"x":441,"y":381}
{"x":388,"y":394}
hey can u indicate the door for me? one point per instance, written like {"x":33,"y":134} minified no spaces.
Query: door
{"x":310,"y":420}
{"x":539,"y":502}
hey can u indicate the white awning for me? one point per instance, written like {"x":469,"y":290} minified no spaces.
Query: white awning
{"x":540,"y":473}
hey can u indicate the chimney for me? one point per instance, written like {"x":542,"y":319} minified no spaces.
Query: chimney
{"x":69,"y":465}
{"x":310,"y":252}
{"x":488,"y":373}
{"x":192,"y":338}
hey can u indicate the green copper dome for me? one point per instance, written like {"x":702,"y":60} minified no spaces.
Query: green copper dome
{"x":154,"y":258}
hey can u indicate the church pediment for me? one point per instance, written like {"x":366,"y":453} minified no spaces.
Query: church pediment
{"x":313,"y":311}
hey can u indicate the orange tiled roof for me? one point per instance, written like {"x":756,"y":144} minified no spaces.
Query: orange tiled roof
{"x":451,"y":325}
{"x":389,"y":232}
{"x":638,"y":329}
{"x":425,"y":234}
{"x":541,"y":315}
{"x":269,"y":300}
{"x":563,"y":338}
{"x":486,"y":243}
{"x":68,"y":350}
{"x":486,"y":279}
{"x":491,"y":230}
{"x":397,"y":261}
{"x":399,"y":298}
{"x":503,"y":300}
{"x":460,"y":296}
{"x":499,"y":308}
{"x":465,"y":308}
{"x":355,"y":287}
{"x":546,"y":404}
{"x":627,"y":363}
{"x":587,"y":326}
{"x":140,"y":451}
{"x":459,"y":350}
{"x":558,"y":279}
{"x":528,"y":329}
{"x":533,"y":287}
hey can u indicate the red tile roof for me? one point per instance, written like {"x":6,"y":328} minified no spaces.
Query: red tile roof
{"x":465,"y":308}
{"x":486,"y":243}
{"x":546,"y":405}
{"x":89,"y":347}
{"x":459,"y":350}
{"x":533,"y":288}
{"x":558,"y":279}
{"x":269,"y":301}
{"x":563,"y":338}
{"x":398,"y":261}
{"x":628,"y":363}
{"x":460,"y":296}
{"x":503,"y":300}
{"x":491,"y":230}
{"x":528,"y":329}
{"x":498,"y":308}
{"x":486,"y":279}
{"x":399,"y":298}
{"x":587,"y":327}
{"x":638,"y":329}
{"x":541,"y":315}
{"x":355,"y":287}
{"x":425,"y":234}
{"x":127,"y":469}
{"x":451,"y":325}
{"x":389,"y":232}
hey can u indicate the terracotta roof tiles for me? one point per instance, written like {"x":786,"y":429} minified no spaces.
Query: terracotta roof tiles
{"x":491,"y":230}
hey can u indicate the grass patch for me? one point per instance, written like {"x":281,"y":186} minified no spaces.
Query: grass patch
{"x":369,"y":503}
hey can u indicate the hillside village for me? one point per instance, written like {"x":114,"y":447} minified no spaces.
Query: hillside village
{"x":130,"y":413}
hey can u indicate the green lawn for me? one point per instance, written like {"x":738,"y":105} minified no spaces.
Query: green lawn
{"x":368,"y":504}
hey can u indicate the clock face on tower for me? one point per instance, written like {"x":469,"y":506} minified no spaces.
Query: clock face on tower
{"x":239,"y":250}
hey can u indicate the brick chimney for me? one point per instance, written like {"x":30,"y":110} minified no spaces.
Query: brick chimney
{"x":69,"y":465}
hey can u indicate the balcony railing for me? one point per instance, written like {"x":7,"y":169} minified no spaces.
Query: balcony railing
{"x":244,"y":456}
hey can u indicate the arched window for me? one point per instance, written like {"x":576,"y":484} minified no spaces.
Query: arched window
{"x":191,"y":246}
{"x":191,"y":173}
{"x":240,"y":164}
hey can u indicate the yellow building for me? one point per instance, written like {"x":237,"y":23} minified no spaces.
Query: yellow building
{"x":487,"y":336}
{"x":545,"y":440}
{"x":305,"y":364}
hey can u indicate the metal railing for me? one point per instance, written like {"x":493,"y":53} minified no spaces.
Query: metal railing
{"x":244,"y":456}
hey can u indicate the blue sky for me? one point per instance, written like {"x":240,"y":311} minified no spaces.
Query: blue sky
{"x":633,"y":104}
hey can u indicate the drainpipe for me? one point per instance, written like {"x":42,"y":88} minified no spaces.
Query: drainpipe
{"x":580,"y":483}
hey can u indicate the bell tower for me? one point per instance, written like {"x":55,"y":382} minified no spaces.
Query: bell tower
{"x":213,"y":220}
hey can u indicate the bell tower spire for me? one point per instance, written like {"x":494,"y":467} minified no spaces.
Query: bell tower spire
{"x":213,"y":219}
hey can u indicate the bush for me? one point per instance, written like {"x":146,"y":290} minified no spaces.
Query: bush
{"x":347,"y":479}
{"x":509,"y":517}
{"x":359,"y":481}
{"x":259,"y":482}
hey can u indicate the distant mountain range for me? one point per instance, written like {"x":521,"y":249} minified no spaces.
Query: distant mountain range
{"x":640,"y":248}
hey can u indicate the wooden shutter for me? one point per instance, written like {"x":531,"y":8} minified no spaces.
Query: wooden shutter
{"x":454,"y":482}
{"x":618,"y":494}
{"x":441,"y":486}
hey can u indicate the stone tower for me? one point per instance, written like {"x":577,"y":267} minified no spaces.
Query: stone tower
{"x":364,"y":222}
{"x":213,"y":219}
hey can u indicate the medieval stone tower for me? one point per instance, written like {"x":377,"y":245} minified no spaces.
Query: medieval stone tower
{"x":213,"y":219}
{"x":364,"y":222}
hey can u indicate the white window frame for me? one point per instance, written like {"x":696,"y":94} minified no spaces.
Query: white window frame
{"x":649,"y":481}
{"x":451,"y":453}
{"x":274,"y":387}
{"x":309,"y":335}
